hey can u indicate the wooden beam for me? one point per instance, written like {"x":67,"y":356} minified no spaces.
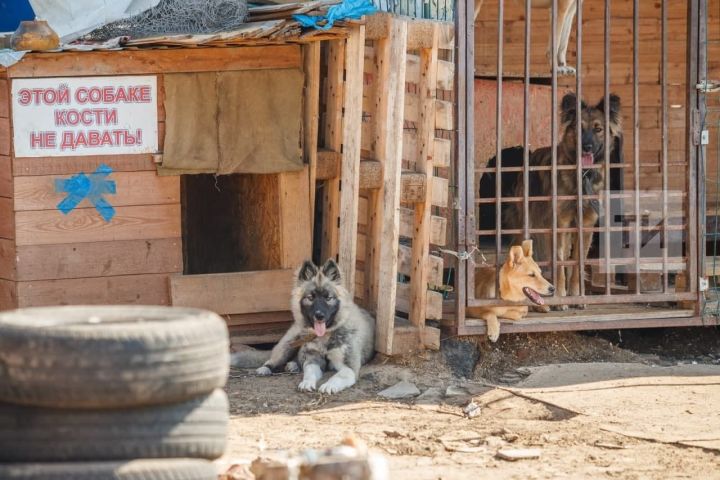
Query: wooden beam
{"x":438,"y":226}
{"x":385,"y":229}
{"x":233,"y":293}
{"x":328,"y":164}
{"x":413,"y":187}
{"x":371,"y":175}
{"x":440,"y":192}
{"x":408,"y":340}
{"x":350,"y":167}
{"x":311,"y":116}
{"x":98,"y":259}
{"x":426,"y":136}
{"x":145,"y":222}
{"x":434,"y":266}
{"x":146,"y":289}
{"x":446,"y":75}
{"x":442,"y":152}
{"x":333,"y":141}
{"x":377,"y":26}
{"x":295,"y":218}
{"x":420,"y":33}
{"x":434,"y":302}
{"x":444,"y":112}
{"x":140,"y":62}
{"x":133,"y":188}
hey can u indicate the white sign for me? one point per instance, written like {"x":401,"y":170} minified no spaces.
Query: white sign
{"x":84,"y":116}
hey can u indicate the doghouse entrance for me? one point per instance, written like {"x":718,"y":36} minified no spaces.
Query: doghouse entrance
{"x":638,"y":261}
{"x":228,"y":223}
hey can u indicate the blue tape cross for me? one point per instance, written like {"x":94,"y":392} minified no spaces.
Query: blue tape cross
{"x":93,"y":187}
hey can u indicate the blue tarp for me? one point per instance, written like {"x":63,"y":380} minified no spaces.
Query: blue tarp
{"x":12,"y":12}
{"x":348,"y":9}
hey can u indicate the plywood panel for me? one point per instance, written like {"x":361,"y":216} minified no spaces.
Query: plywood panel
{"x":132,"y":62}
{"x":226,"y":293}
{"x":85,"y":225}
{"x":88,"y":164}
{"x":132,"y":188}
{"x":126,"y":289}
{"x":98,"y":259}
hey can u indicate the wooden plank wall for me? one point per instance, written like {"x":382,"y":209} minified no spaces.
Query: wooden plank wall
{"x":421,"y":151}
{"x":8,"y":297}
{"x":621,"y":70}
{"x":47,"y":258}
{"x":79,"y":258}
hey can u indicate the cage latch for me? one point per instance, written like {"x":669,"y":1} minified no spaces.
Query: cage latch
{"x":709,"y":86}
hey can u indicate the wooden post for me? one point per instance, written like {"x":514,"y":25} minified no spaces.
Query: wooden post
{"x":350,"y":167}
{"x":391,"y":55}
{"x":424,"y":164}
{"x":333,"y":141}
{"x":311,"y":67}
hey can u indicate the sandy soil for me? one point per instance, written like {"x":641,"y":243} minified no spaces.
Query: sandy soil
{"x":432,"y":439}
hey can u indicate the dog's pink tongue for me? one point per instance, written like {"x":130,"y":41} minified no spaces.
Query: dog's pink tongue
{"x":319,"y":328}
{"x":587,"y":159}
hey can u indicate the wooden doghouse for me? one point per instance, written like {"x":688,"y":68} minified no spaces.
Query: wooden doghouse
{"x":228,"y":243}
{"x":225,"y":239}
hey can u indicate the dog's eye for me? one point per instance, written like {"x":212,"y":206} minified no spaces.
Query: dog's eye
{"x":310,"y":297}
{"x":329,"y":298}
{"x":598,"y":129}
{"x":532,"y":274}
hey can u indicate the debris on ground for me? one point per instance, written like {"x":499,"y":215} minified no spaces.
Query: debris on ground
{"x":349,"y":460}
{"x":514,"y":454}
{"x":400,"y":390}
{"x":472,"y":410}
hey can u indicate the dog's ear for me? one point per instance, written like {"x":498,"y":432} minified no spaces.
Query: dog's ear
{"x":516,"y":256}
{"x":568,"y":107}
{"x":331,"y":270}
{"x":614,"y":107}
{"x":307,"y":271}
{"x":527,"y":246}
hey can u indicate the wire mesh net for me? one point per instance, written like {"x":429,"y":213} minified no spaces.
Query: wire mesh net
{"x":430,"y":9}
{"x":172,"y":17}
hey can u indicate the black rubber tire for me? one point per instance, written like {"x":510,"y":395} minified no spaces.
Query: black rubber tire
{"x":110,"y":356}
{"x":177,"y":469}
{"x":193,"y":429}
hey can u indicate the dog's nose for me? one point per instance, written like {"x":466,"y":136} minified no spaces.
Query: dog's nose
{"x":319,"y":315}
{"x":551,"y":289}
{"x":587,"y":147}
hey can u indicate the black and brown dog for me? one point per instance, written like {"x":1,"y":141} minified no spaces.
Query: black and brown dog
{"x":540,"y":184}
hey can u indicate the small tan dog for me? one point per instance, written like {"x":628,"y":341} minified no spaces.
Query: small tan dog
{"x":520,"y":278}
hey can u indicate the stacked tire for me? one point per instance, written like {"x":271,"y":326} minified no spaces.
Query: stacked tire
{"x":112,"y":392}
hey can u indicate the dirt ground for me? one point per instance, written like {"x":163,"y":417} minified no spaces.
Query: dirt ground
{"x":429,"y":437}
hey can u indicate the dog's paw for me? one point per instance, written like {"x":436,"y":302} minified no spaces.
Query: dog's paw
{"x":580,"y":307}
{"x":493,"y":333}
{"x":560,"y":308}
{"x":292,"y":367}
{"x":332,"y":386}
{"x":566,"y":70}
{"x":307,"y":386}
{"x":263,"y":371}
